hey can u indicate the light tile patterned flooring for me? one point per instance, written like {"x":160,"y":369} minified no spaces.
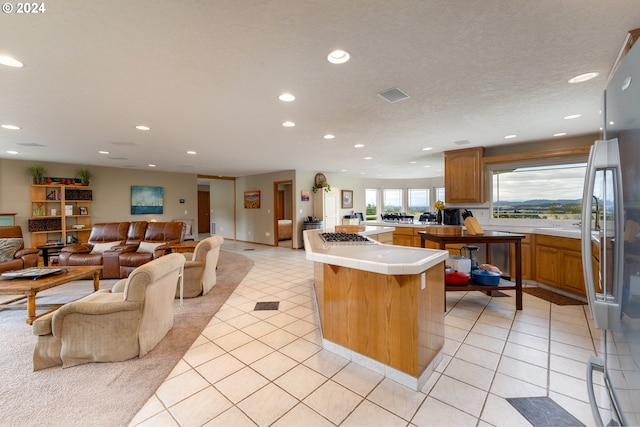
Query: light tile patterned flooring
{"x":268,"y":368}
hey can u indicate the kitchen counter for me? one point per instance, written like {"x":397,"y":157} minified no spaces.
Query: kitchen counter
{"x":373,"y":257}
{"x":381,"y":306}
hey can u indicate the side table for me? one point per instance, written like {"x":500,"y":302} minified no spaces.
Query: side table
{"x":49,"y":250}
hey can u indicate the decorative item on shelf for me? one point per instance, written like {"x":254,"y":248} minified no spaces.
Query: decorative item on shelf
{"x":38,"y":209}
{"x":45,"y":224}
{"x":320,"y":181}
{"x":83,"y":210}
{"x":439,"y":205}
{"x":85,"y":176}
{"x":78,"y":194}
{"x":37,"y":172}
{"x":68,"y":210}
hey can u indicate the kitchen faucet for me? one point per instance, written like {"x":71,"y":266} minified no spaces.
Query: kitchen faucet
{"x":596,"y":226}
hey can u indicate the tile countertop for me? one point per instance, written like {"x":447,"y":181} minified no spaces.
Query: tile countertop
{"x":375,"y":257}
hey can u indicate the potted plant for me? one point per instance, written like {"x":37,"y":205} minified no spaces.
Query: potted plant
{"x":85,"y":176}
{"x":37,"y":172}
{"x":439,"y":205}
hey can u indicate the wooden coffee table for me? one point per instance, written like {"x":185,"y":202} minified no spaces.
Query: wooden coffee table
{"x":29,"y":288}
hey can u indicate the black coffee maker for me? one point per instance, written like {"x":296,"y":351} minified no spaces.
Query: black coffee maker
{"x":451,"y":216}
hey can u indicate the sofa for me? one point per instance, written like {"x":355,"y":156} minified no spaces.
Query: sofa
{"x":13,"y":254}
{"x":111,"y":325}
{"x":121,"y":247}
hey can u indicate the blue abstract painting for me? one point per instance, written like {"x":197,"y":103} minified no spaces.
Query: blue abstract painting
{"x":146,"y":200}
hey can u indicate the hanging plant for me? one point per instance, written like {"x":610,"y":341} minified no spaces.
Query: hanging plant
{"x":320,"y":181}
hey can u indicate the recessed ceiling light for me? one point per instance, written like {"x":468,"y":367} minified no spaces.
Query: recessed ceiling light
{"x":142,"y":127}
{"x":329,"y":136}
{"x":427,"y":148}
{"x":11,"y":127}
{"x":611,"y":123}
{"x":560,"y":134}
{"x":362,"y":173}
{"x":413,"y":163}
{"x":151,"y":165}
{"x":343,"y":170}
{"x":572,"y":116}
{"x":191,"y":152}
{"x":288,"y":124}
{"x":338,"y":56}
{"x":103,"y":152}
{"x":12,"y":152}
{"x":286,"y":97}
{"x":368,"y":158}
{"x":584,"y":77}
{"x":427,"y":166}
{"x":359,"y":145}
{"x":510,"y":136}
{"x":10,"y":62}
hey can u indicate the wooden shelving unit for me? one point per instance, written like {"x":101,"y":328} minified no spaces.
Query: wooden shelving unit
{"x":57,"y":213}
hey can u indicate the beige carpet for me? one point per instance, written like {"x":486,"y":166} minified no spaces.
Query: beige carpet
{"x":99,"y":394}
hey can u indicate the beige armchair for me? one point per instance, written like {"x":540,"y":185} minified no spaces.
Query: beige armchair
{"x":200,"y":267}
{"x":111,"y":325}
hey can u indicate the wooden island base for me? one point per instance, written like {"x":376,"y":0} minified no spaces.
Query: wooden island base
{"x":394,"y":321}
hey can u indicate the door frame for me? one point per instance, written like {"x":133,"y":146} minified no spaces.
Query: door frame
{"x":291,"y":211}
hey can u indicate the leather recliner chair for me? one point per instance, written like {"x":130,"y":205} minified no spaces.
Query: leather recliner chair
{"x":17,"y":256}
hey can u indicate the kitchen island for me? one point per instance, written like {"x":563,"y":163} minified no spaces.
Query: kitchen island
{"x":381,"y":306}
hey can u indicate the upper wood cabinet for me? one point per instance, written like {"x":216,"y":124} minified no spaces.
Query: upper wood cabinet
{"x":464,"y":176}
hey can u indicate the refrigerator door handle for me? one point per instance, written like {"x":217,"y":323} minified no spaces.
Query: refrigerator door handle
{"x":597,"y":364}
{"x":606,"y":308}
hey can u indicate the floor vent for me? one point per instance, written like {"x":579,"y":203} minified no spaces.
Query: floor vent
{"x":394,"y":95}
{"x":267,"y":305}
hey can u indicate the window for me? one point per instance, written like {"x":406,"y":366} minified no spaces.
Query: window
{"x":392,"y":199}
{"x":371,"y":199}
{"x":418,"y":201}
{"x":550,"y":191}
{"x":440,"y":193}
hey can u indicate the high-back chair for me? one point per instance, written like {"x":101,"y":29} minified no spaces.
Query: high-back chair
{"x":111,"y":325}
{"x":200,"y":268}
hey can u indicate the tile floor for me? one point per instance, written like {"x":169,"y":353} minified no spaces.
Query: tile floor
{"x":268,"y":368}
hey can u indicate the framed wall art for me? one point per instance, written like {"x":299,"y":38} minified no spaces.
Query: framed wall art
{"x":347,"y":199}
{"x":305,"y":195}
{"x":252,"y":199}
{"x":146,"y":200}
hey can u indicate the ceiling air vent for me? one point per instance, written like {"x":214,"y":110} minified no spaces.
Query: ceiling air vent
{"x":29,"y":144}
{"x":394,"y":95}
{"x":462,"y":142}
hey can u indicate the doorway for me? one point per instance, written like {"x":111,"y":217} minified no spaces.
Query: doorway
{"x":203,"y":212}
{"x":284,"y":224}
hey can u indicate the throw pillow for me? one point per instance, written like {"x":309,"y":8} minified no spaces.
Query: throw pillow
{"x":148,"y":247}
{"x":99,"y":248}
{"x":9,"y":247}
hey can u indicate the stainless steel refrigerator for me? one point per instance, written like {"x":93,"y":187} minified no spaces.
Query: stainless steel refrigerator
{"x":611,"y":250}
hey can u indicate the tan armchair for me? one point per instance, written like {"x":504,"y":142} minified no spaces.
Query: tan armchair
{"x":111,"y":325}
{"x":13,"y":255}
{"x":200,"y":268}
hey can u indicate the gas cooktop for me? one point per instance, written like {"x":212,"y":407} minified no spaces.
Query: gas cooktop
{"x":345,"y":239}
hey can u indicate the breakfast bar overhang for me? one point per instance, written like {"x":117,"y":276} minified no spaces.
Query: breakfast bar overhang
{"x":381,"y":306}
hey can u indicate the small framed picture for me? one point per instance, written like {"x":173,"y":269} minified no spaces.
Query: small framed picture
{"x":347,"y":199}
{"x":305,"y":195}
{"x":83,"y":210}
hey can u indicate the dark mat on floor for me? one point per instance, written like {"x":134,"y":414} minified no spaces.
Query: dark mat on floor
{"x":543,"y":411}
{"x":552,"y":296}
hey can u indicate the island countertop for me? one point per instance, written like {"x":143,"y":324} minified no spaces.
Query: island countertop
{"x":374,"y":257}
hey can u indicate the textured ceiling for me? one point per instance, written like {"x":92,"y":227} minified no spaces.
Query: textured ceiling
{"x":205,"y":76}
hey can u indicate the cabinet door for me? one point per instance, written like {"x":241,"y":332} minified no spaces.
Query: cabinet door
{"x":546,"y":265}
{"x":402,"y":239}
{"x":464,"y":176}
{"x":571,"y":277}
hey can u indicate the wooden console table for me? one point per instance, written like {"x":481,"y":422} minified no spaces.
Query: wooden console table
{"x":487,"y":238}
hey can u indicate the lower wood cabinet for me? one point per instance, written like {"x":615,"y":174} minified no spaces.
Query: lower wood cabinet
{"x":558,"y":263}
